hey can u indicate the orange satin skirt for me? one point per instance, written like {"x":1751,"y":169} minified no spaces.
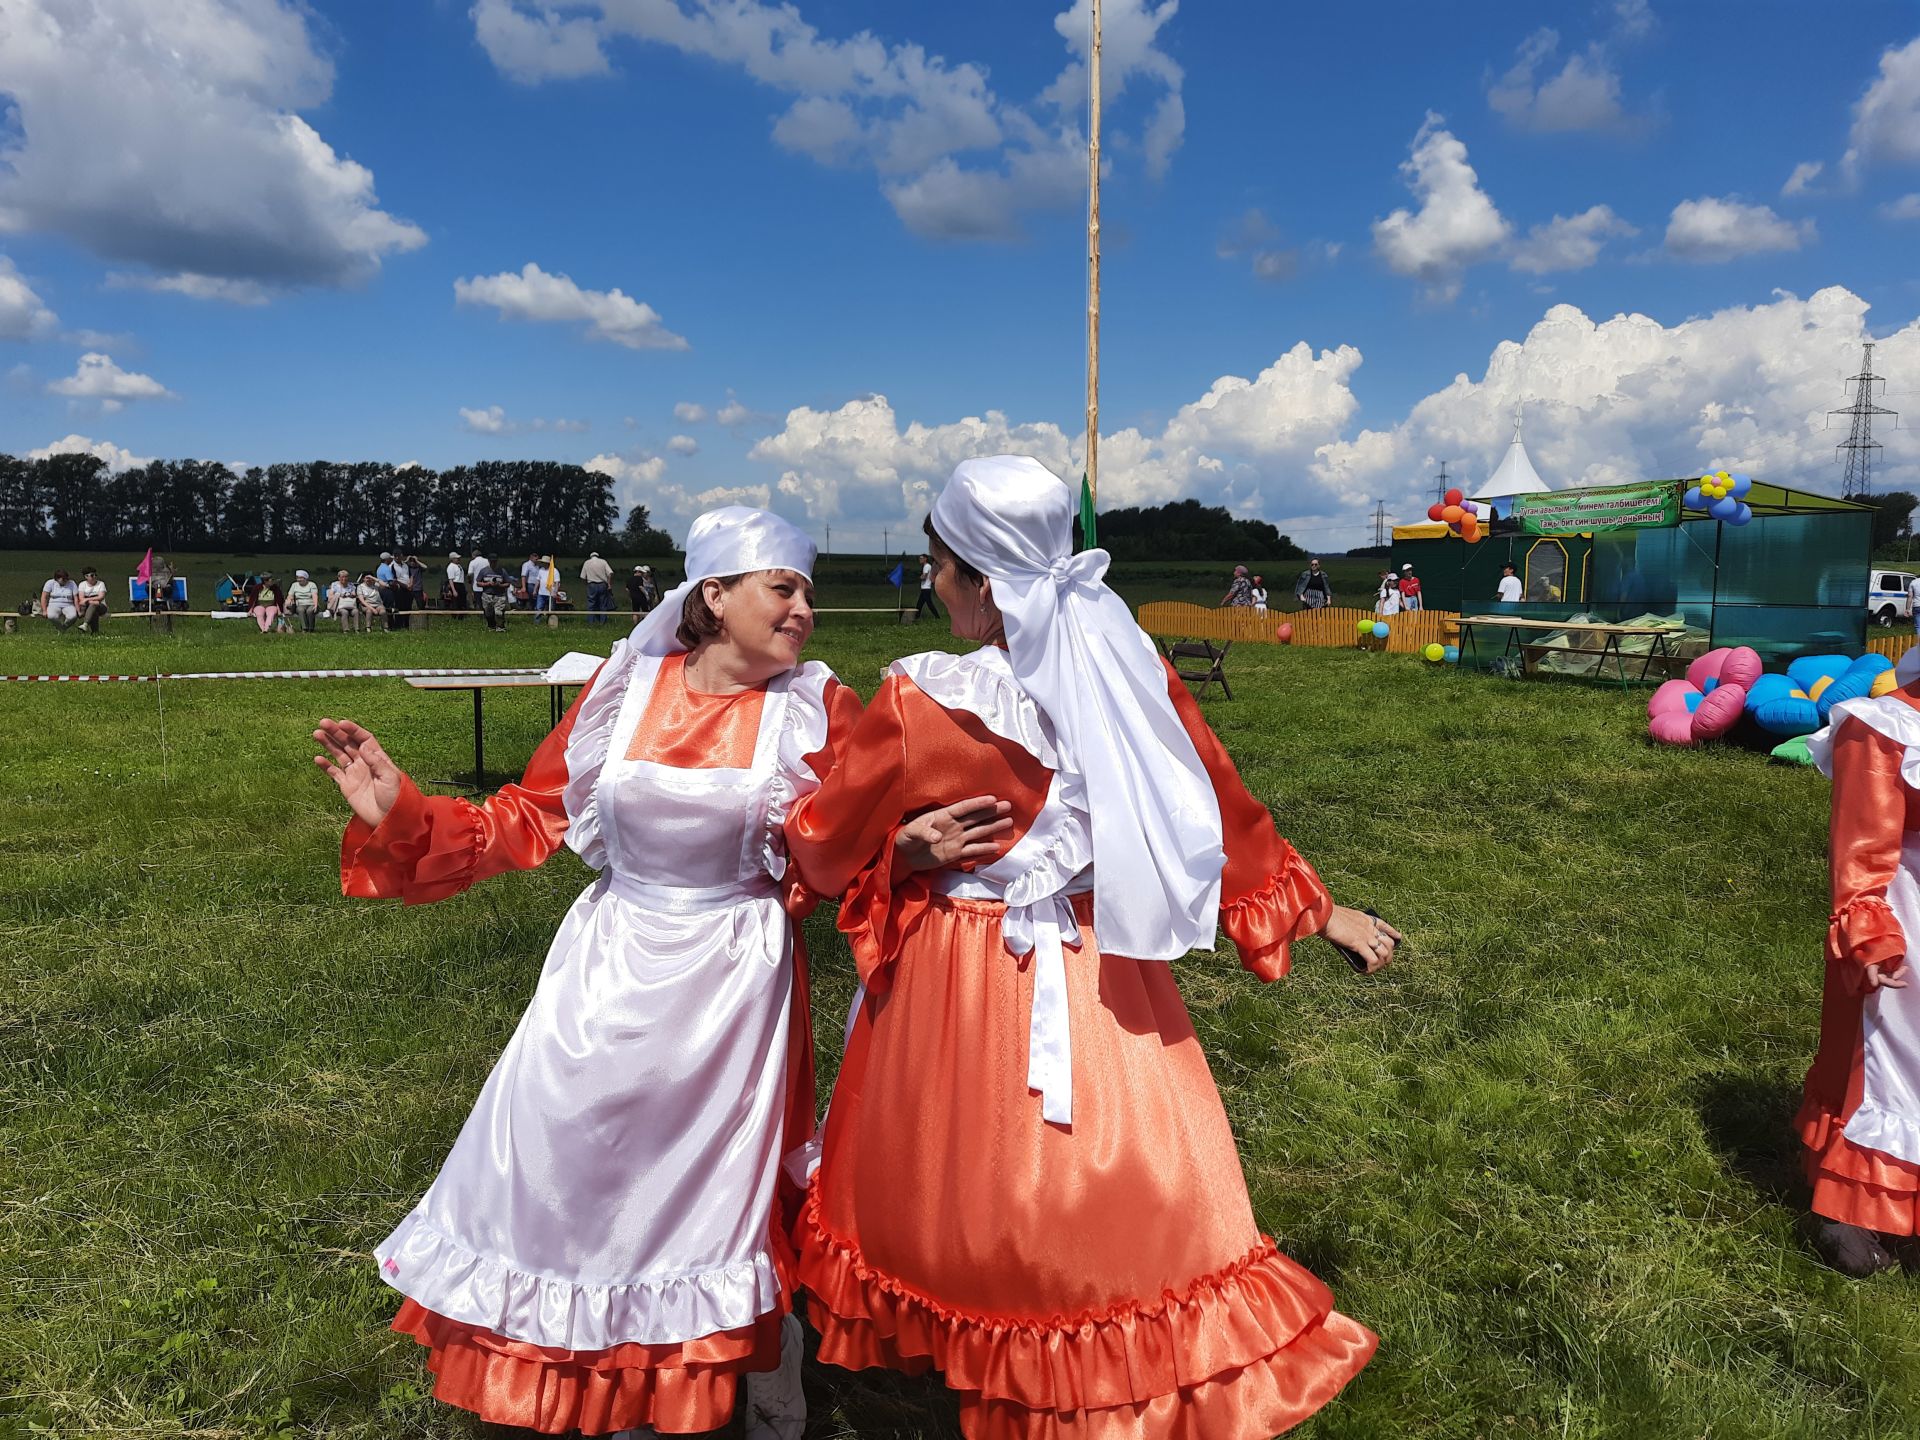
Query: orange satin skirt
{"x":677,"y":1389}
{"x":1851,"y":1183}
{"x":1104,"y":1281}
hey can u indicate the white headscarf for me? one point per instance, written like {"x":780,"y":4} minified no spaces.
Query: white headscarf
{"x":732,"y":540}
{"x":1076,"y":650}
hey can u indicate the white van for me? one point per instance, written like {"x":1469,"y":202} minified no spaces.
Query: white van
{"x":1888,"y":599}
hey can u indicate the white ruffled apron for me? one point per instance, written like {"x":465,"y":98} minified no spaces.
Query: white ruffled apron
{"x":615,"y":1180}
{"x":1888,"y":1117}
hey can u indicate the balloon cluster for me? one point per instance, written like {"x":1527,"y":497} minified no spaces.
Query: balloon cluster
{"x":1722,"y":496}
{"x":1374,"y":629}
{"x":1436,"y":653}
{"x":1453,"y":511}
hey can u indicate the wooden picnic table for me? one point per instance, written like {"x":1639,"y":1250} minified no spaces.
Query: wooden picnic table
{"x":1609,"y":634}
{"x":479,"y":685}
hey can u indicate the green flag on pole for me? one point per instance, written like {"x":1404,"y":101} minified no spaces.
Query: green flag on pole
{"x":1089,"y":528}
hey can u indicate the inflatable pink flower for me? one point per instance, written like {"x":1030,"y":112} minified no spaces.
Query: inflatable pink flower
{"x":1706,"y":704}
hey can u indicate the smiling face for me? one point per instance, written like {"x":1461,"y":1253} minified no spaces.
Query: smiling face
{"x":766,"y":618}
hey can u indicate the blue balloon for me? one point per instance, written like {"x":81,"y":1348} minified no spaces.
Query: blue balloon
{"x":1742,"y":515}
{"x":1695,"y":500}
{"x":1379,"y":629}
{"x":1741,"y":485}
{"x":1724,"y":509}
{"x":1452,"y":655}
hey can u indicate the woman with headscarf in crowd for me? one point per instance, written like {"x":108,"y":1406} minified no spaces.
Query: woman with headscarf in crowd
{"x":1026,"y":1179}
{"x":601,"y":1249}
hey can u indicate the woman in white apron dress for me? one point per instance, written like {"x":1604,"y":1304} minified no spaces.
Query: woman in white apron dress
{"x":601,"y":1249}
{"x":1860,"y":1118}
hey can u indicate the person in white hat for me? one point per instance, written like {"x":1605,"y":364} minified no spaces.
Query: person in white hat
{"x":303,"y":600}
{"x":598,"y":1251}
{"x":1027,"y":1180}
{"x":598,"y":575}
{"x":453,"y":593}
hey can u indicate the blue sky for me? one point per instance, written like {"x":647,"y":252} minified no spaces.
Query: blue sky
{"x":396,"y":230}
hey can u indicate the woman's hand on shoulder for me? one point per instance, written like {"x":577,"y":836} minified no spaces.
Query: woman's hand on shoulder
{"x":964,"y":833}
{"x":355,"y":761}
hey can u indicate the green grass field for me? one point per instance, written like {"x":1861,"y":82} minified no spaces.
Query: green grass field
{"x":1546,"y":1156}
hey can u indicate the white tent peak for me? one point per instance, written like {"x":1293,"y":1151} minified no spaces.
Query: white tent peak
{"x":1515,"y":475}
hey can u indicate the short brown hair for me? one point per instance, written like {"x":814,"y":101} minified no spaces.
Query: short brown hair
{"x":945,"y":552}
{"x":697,"y":621}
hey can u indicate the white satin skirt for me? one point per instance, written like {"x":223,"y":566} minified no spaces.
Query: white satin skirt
{"x":615,"y":1181}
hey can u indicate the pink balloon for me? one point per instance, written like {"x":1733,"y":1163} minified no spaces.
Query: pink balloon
{"x":1672,"y":727}
{"x":1670,"y":698}
{"x":1730,"y":665}
{"x":1720,"y":711}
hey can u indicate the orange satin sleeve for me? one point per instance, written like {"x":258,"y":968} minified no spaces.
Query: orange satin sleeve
{"x":1870,"y":803}
{"x":908,"y":755}
{"x":843,"y":718}
{"x":430,"y":847}
{"x":1269,"y":895}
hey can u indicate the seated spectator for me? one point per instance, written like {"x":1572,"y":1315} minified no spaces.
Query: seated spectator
{"x":268,"y":601}
{"x":372,"y":600}
{"x":56,"y":600}
{"x":343,"y":603}
{"x":92,"y":600}
{"x":303,"y":600}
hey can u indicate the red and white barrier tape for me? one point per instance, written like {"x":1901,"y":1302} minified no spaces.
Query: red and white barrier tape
{"x":284,"y":674}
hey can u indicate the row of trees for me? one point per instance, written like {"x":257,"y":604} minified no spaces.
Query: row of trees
{"x":73,"y":502}
{"x":1188,"y":530}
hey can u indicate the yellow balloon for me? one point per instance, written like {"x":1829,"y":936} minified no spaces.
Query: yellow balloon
{"x":1884,"y":683}
{"x":1435,"y":653}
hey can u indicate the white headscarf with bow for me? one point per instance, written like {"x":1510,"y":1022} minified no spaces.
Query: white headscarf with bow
{"x":1092,"y":671}
{"x":732,"y":540}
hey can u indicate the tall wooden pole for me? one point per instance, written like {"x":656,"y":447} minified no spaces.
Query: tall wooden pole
{"x":1093,"y":258}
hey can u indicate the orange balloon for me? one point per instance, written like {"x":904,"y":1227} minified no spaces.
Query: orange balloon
{"x":1452,"y":514}
{"x":1284,"y":634}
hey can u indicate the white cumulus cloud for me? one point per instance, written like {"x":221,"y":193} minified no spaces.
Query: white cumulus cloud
{"x":1802,"y":178}
{"x":195,"y":287}
{"x":629,"y":470}
{"x":532,"y":294}
{"x":1569,"y":242}
{"x":170,"y":136}
{"x":1716,"y":228}
{"x":1886,"y":119}
{"x":1584,"y":94}
{"x":116,"y":458}
{"x":956,"y":159}
{"x":23,"y":314}
{"x":1907,"y":207}
{"x":1456,"y":226}
{"x":493,"y":420}
{"x":689,"y":413}
{"x":684,"y":445}
{"x":99,"y":380}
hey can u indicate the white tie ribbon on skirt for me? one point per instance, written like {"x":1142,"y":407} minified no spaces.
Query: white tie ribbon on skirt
{"x":1040,"y":929}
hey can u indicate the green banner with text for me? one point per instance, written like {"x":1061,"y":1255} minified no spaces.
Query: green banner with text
{"x":1641,"y":505}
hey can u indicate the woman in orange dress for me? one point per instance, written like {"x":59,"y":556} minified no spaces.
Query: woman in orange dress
{"x":1860,"y":1118}
{"x":1027,"y":1180}
{"x":601,"y":1249}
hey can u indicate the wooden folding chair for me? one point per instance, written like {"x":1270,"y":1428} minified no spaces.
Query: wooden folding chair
{"x":1214,"y":659}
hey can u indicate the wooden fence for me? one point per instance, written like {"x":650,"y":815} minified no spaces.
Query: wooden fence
{"x":1891,"y":646}
{"x":1407,"y":633}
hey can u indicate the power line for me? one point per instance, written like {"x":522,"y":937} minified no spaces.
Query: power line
{"x":1440,"y":486}
{"x":1859,"y":446}
{"x":1379,"y":523}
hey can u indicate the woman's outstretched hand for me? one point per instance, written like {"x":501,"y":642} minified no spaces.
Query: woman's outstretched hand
{"x":1355,"y":930}
{"x":366,"y":777}
{"x":959,"y":834}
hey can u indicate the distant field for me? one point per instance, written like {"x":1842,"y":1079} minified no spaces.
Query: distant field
{"x":842,"y":581}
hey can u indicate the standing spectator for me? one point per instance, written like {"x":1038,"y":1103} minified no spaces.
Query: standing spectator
{"x":56,"y":600}
{"x":1386,"y":598}
{"x":1409,"y":588}
{"x":545,"y":584}
{"x":1913,"y":602}
{"x":373,"y":598}
{"x":303,"y":600}
{"x":400,"y":607}
{"x":1259,"y":597}
{"x":92,"y":600}
{"x":1312,"y":589}
{"x":926,"y":589}
{"x":160,"y":594}
{"x":637,"y":592}
{"x":496,"y":592}
{"x":649,"y":588}
{"x":1240,"y":592}
{"x":343,"y":603}
{"x":476,"y":562}
{"x":454,"y":596}
{"x":417,"y":585}
{"x":599,"y":577}
{"x":530,"y":580}
{"x":1509,"y":584}
{"x":383,"y":577}
{"x":268,"y":600}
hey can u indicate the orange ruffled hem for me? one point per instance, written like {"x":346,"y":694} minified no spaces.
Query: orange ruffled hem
{"x":678,"y":1389}
{"x":1853,"y":1184}
{"x":1260,"y":1337}
{"x":1262,"y":924}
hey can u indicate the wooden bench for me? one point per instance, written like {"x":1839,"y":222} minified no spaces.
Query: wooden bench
{"x":1214,"y":658}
